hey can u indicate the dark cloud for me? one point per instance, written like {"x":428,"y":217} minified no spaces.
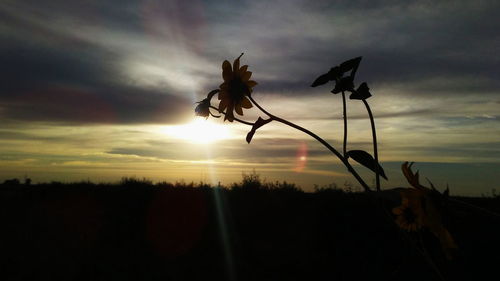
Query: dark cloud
{"x":65,"y":104}
{"x":49,"y":73}
{"x":81,"y":85}
{"x":426,"y":47}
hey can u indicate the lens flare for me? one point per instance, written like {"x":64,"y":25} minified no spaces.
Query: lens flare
{"x":301,"y":160}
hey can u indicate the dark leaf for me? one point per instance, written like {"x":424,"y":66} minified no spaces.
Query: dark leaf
{"x":351,"y":64}
{"x":363,"y":92}
{"x":344,"y":84}
{"x":259,"y":123}
{"x":334,"y":73}
{"x":323,"y":79}
{"x":365,"y":159}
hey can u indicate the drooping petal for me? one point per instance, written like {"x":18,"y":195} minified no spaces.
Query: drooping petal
{"x":229,"y":114}
{"x":245,"y":103}
{"x":223,"y":105}
{"x":238,"y":109}
{"x":246,"y":76}
{"x":227,"y":72}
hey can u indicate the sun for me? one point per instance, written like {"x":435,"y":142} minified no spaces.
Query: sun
{"x":199,"y":130}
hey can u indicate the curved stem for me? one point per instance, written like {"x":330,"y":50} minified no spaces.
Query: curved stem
{"x":260,"y":107}
{"x":239,"y":120}
{"x":344,"y":113}
{"x":322,"y":141}
{"x":375,"y":151}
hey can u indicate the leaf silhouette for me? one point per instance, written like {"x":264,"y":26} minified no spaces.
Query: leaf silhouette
{"x":259,"y":123}
{"x":334,"y":73}
{"x":321,"y":80}
{"x":363,"y":92}
{"x":344,"y":84}
{"x":351,"y":64}
{"x":365,"y":159}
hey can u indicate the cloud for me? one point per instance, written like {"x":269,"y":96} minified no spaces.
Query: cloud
{"x":67,"y":79}
{"x":137,"y":55}
{"x":411,"y":43}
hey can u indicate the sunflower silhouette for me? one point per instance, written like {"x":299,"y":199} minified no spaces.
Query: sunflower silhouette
{"x":235,"y":89}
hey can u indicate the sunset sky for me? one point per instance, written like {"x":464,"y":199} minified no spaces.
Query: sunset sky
{"x":98,"y":90}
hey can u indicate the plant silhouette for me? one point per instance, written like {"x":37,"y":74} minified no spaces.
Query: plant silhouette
{"x":421,"y":209}
{"x":235,"y":94}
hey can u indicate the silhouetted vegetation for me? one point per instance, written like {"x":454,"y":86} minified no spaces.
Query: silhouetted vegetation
{"x":252,"y":230}
{"x":235,"y":94}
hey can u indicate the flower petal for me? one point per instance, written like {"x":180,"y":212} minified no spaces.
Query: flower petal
{"x":222,"y":105}
{"x":246,"y":76}
{"x":243,"y":69}
{"x":251,"y":83}
{"x":238,"y":109}
{"x":245,"y":103}
{"x":227,"y":72}
{"x":229,"y":114}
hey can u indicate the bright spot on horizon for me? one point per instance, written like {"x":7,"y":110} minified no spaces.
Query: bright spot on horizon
{"x":199,"y":130}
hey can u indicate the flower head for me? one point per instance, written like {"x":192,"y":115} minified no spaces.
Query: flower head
{"x":235,"y":89}
{"x":410,"y":215}
{"x":422,"y":207}
{"x":203,"y":107}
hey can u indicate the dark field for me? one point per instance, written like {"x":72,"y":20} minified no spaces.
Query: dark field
{"x":138,"y":231}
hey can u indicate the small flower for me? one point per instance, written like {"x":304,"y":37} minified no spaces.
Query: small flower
{"x":203,"y":107}
{"x":422,"y":207}
{"x":235,"y":89}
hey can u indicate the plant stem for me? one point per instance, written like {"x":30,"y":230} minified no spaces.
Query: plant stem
{"x":344,"y":111}
{"x":239,"y":120}
{"x":375,"y":151}
{"x":322,"y":141}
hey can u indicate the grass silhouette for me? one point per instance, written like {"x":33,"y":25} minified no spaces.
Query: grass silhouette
{"x":138,"y":230}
